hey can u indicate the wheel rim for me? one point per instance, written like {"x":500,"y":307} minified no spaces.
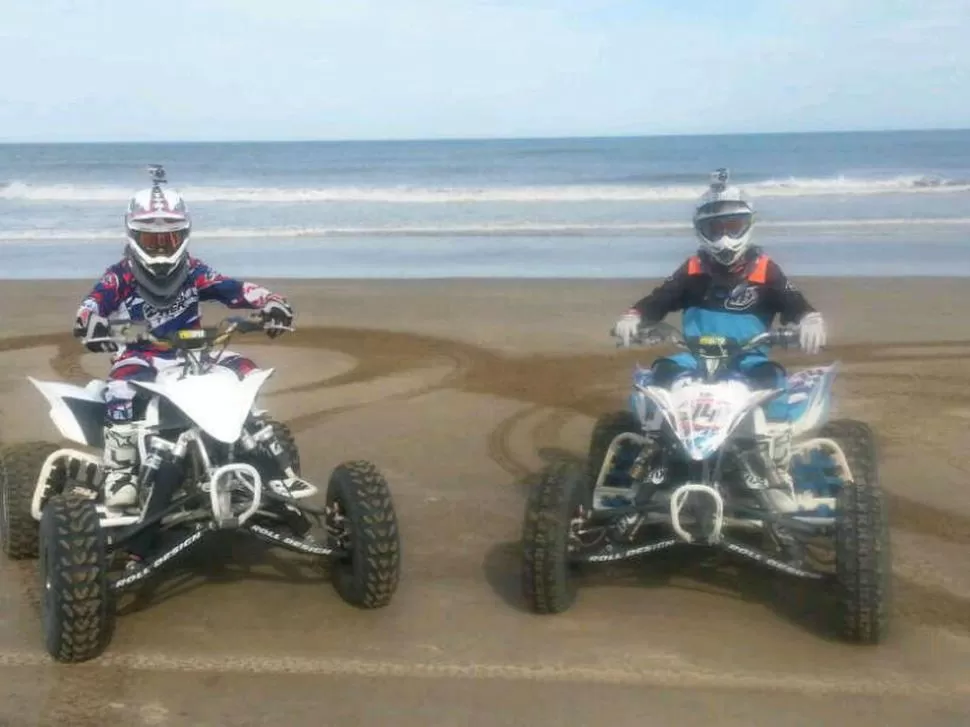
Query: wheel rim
{"x":574,"y":538}
{"x":339,"y":532}
{"x":579,"y":539}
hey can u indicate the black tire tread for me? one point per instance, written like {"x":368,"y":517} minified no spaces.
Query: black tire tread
{"x":547,"y":582}
{"x":80,"y":624}
{"x":20,"y":466}
{"x":375,"y":539}
{"x":862,"y":543}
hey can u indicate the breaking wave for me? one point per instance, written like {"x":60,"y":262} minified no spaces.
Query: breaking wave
{"x":792,"y":187}
{"x":484,"y":230}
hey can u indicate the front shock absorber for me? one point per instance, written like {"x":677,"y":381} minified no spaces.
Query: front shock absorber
{"x":158,"y":453}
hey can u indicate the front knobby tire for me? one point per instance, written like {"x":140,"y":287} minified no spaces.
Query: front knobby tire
{"x":77,"y":607}
{"x":862,"y":544}
{"x":548,"y":570}
{"x":366,"y":573}
{"x":20,"y":466}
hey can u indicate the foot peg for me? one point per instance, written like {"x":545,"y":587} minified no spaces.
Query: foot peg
{"x":295,"y":488}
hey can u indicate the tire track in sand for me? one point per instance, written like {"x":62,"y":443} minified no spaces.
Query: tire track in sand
{"x":592,"y":383}
{"x":678,"y":674}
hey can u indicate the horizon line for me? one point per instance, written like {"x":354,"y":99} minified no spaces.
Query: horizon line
{"x":557,"y":137}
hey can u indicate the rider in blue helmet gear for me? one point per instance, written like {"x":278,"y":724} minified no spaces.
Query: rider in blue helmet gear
{"x":729,"y":287}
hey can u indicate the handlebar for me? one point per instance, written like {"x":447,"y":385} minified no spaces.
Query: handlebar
{"x":121,"y":333}
{"x":662,"y":332}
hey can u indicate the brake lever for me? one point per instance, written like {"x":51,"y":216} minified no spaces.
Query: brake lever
{"x":275,"y":331}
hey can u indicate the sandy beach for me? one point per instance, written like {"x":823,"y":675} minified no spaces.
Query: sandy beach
{"x":460,"y":391}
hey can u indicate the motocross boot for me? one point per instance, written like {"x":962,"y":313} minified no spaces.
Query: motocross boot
{"x":118,"y":462}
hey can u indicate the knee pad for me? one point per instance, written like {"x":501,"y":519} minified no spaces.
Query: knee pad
{"x":120,"y":411}
{"x":118,"y":397}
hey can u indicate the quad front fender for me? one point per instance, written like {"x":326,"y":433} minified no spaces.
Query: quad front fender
{"x":218,"y":401}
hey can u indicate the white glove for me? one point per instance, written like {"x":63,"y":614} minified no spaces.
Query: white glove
{"x":812,"y":333}
{"x":626,"y":327}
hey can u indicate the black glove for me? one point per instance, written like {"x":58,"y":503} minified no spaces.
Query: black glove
{"x":277,"y":312}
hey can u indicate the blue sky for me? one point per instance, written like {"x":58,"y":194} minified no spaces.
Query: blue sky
{"x":104,"y":70}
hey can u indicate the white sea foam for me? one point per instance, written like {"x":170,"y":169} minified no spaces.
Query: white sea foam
{"x":523,"y":194}
{"x":483,"y":230}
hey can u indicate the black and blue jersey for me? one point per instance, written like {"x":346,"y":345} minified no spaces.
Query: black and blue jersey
{"x":739,"y":306}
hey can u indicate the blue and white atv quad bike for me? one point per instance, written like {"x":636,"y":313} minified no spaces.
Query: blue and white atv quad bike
{"x":711,"y":462}
{"x":208,"y":460}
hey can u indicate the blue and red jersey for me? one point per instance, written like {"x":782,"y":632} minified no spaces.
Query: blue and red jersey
{"x":116,"y":293}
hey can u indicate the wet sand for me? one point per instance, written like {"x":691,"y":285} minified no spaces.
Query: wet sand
{"x":461,"y":391}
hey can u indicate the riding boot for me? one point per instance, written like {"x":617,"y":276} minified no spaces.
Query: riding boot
{"x":118,"y":462}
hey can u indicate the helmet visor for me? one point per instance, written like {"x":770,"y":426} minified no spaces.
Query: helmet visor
{"x":733,"y":226}
{"x":158,"y":244}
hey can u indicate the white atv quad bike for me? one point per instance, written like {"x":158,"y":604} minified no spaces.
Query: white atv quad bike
{"x":711,"y":462}
{"x":208,"y":460}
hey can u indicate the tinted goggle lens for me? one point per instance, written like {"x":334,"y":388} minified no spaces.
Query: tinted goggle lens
{"x":733,"y":226}
{"x":159,"y":243}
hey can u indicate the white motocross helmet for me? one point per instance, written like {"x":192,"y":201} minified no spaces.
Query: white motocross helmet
{"x":158,"y":227}
{"x":723,"y":221}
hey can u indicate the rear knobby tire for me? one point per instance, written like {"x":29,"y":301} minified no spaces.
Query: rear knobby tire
{"x":286,"y":438}
{"x":606,"y":429}
{"x":548,"y":577}
{"x":862,"y":548}
{"x":367,"y":574}
{"x":77,"y":607}
{"x":20,"y":466}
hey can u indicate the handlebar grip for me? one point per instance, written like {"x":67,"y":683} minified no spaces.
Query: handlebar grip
{"x":249,"y":325}
{"x":785,"y":336}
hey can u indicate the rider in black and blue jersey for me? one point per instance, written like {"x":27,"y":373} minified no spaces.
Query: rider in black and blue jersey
{"x":728,"y":288}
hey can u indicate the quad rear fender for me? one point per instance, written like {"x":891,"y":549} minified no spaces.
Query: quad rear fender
{"x":810,"y":396}
{"x":77,"y":412}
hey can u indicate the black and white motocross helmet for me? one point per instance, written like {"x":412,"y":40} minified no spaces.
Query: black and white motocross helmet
{"x":158,"y":226}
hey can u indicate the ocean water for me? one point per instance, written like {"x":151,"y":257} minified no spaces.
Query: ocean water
{"x":893,"y":203}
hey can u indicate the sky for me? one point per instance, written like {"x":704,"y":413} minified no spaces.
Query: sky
{"x":113,"y":70}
